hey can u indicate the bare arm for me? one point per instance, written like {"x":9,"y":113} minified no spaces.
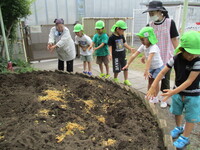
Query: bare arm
{"x":152,"y":91}
{"x":91,"y":45}
{"x":129,"y":48}
{"x":131,"y":59}
{"x":100,"y":46}
{"x":148,"y":63}
{"x":193,"y":75}
{"x":175,"y":42}
{"x":110,"y":50}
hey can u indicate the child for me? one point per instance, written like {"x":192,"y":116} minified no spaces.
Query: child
{"x":186,"y":93}
{"x":100,"y":41}
{"x":117,"y":45}
{"x":154,"y":63}
{"x":84,"y":42}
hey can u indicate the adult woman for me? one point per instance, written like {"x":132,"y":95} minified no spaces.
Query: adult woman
{"x":166,"y":33}
{"x":61,"y":41}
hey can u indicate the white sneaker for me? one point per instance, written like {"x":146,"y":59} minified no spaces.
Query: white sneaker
{"x":163,"y":104}
{"x":154,"y":100}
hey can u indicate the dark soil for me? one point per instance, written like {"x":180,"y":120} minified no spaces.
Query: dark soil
{"x":128,"y":124}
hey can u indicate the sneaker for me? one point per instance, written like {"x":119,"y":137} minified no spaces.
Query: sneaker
{"x":85,"y":72}
{"x":127,"y":82}
{"x":116,"y":80}
{"x":176,"y":132}
{"x":89,"y":73}
{"x":181,"y":142}
{"x":102,"y":75}
{"x":163,"y":104}
{"x":154,"y":100}
{"x":107,"y":76}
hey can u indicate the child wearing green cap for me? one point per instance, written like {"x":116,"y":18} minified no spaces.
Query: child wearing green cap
{"x":186,"y":92}
{"x":154,"y":63}
{"x":84,"y":41}
{"x":100,"y":41}
{"x":117,"y":45}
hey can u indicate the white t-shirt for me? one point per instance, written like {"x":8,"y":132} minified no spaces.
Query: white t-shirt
{"x":84,"y":41}
{"x":156,"y":61}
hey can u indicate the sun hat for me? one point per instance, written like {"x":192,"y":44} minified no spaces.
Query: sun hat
{"x":59,"y":21}
{"x":119,"y":24}
{"x":155,"y":5}
{"x":78,"y":28}
{"x":148,"y":32}
{"x":190,"y":41}
{"x":99,"y":24}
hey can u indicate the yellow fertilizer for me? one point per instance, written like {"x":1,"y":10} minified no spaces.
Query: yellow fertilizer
{"x":44,"y":112}
{"x":52,"y":95}
{"x":89,"y":103}
{"x":109,"y":142}
{"x":69,"y":128}
{"x":101,"y":119}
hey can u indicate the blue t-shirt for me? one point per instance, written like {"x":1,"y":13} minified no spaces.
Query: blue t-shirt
{"x":98,"y":40}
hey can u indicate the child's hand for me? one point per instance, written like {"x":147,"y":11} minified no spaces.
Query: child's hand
{"x":133,"y":50}
{"x":125,"y":67}
{"x":167,"y":95}
{"x":110,"y":57}
{"x":90,"y":47}
{"x":147,"y":74}
{"x":151,"y":93}
{"x":143,"y":60}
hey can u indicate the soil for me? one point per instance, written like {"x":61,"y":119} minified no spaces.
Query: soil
{"x":59,"y":111}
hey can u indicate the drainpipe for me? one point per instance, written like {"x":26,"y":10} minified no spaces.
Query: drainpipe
{"x":185,"y":9}
{"x":4,"y":36}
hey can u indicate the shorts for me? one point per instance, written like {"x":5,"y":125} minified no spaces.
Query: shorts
{"x":87,"y":58}
{"x":189,"y":104}
{"x":118,"y":64}
{"x":155,"y":72}
{"x":102,"y":59}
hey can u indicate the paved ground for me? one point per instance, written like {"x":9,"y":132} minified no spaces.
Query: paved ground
{"x":139,"y":83}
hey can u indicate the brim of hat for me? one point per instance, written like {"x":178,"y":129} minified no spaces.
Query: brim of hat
{"x":153,"y":9}
{"x":76,"y":30}
{"x":124,"y":28}
{"x":138,"y":34}
{"x":99,"y":28}
{"x":191,"y":51}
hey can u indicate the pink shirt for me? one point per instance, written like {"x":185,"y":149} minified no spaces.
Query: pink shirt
{"x":162,"y":32}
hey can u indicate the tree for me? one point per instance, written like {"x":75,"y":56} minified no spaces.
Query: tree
{"x":12,"y":11}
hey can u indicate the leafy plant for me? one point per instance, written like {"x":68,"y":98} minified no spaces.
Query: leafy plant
{"x":12,"y":11}
{"x":19,"y":66}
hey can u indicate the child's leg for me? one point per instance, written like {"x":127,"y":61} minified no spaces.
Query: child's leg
{"x":101,"y":67}
{"x":125,"y":74}
{"x":107,"y":68}
{"x":84,"y":65}
{"x":188,"y":129}
{"x":116,"y":74}
{"x":178,"y":119}
{"x":89,"y":66}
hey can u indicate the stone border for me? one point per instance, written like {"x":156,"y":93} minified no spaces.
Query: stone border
{"x":168,"y":142}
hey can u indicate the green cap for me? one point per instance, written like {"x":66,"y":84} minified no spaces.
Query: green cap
{"x":190,"y":41}
{"x":119,"y":24}
{"x":78,"y":28}
{"x":148,"y":32}
{"x":99,"y":24}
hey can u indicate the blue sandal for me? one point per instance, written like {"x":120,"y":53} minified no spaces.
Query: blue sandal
{"x":176,"y":132}
{"x":181,"y":142}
